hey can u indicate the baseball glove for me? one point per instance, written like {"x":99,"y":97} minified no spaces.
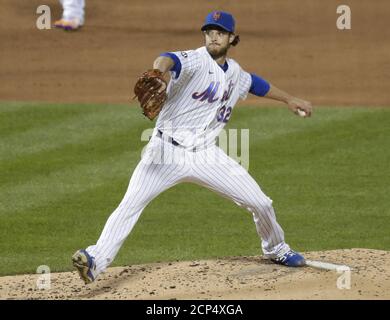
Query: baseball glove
{"x":150,"y":90}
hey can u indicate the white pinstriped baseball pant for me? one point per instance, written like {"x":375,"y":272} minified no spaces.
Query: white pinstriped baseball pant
{"x":164,"y":165}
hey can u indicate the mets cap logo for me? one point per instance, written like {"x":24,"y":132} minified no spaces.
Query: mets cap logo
{"x":216,"y":15}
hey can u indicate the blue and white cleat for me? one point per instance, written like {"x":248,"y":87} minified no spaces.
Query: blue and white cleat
{"x":84,"y":263}
{"x":290,"y":259}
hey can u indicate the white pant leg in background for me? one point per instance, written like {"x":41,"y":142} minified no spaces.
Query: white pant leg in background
{"x":73,"y":9}
{"x":214,"y":169}
{"x":149,"y":179}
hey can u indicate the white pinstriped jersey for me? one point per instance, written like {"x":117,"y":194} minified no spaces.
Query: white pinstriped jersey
{"x":200,"y":101}
{"x":199,"y":104}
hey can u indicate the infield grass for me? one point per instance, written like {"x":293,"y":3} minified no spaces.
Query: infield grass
{"x":65,"y":168}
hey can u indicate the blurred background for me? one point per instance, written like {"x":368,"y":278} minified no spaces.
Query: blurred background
{"x":294,"y":44}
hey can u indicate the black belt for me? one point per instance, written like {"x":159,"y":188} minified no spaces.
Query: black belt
{"x":170,"y":139}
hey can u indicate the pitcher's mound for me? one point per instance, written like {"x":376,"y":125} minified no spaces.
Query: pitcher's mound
{"x":227,"y":278}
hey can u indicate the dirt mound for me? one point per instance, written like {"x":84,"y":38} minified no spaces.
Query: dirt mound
{"x":228,"y":278}
{"x":295,"y":44}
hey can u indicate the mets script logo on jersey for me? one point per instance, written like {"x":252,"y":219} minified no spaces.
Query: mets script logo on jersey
{"x":211,"y":91}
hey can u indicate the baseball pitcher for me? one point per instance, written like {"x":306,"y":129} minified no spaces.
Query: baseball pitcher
{"x":191,"y":110}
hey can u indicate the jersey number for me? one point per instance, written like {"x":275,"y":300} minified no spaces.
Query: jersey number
{"x":224,"y":114}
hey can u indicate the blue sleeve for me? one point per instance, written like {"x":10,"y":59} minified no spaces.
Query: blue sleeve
{"x":177,"y":66}
{"x":259,"y":86}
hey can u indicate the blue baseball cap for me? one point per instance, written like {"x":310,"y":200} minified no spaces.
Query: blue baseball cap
{"x":221,"y":19}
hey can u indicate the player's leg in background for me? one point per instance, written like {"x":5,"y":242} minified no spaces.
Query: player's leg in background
{"x":155,"y":173}
{"x":220,"y":173}
{"x":73,"y":9}
{"x":72,"y":16}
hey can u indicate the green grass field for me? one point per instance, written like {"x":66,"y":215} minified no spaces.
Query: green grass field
{"x":64,"y":169}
